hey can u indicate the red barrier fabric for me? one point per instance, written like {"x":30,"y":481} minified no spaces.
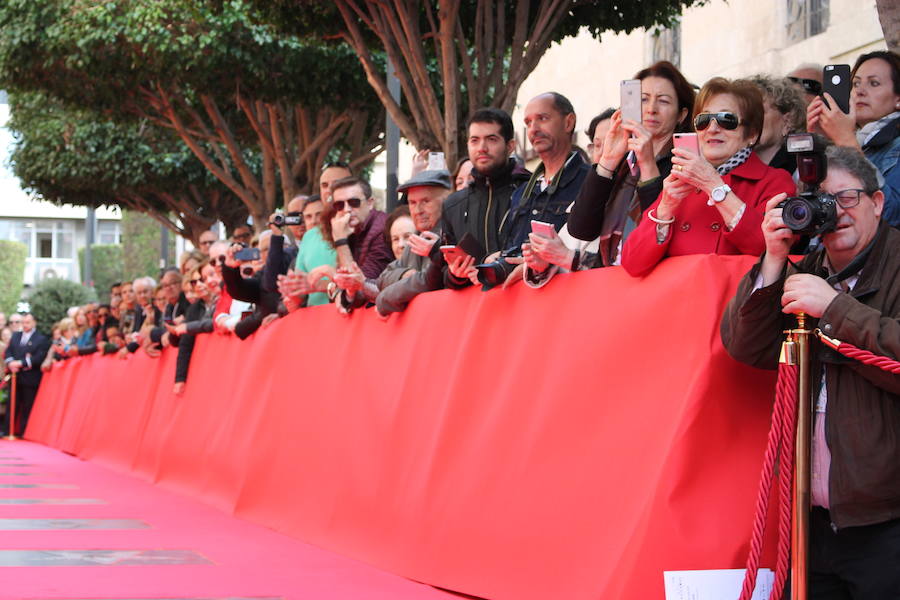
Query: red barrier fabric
{"x":569,"y":442}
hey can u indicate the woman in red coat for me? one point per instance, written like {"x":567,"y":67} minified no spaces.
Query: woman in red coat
{"x":712,"y":203}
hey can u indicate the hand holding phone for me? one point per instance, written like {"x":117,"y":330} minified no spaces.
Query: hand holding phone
{"x":687,"y":141}
{"x":836,"y":83}
{"x":543,"y":229}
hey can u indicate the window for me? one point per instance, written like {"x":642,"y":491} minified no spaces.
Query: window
{"x":108,"y":232}
{"x":806,"y":18}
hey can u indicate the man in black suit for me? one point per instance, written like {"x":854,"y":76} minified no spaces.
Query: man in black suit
{"x":26,"y":351}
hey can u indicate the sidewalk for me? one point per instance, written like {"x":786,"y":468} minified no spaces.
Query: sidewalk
{"x":71,"y":529}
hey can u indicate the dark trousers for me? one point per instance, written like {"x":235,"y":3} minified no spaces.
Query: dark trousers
{"x":855,"y":563}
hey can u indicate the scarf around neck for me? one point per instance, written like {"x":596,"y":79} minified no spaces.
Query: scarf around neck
{"x":736,"y":160}
{"x":870,"y":130}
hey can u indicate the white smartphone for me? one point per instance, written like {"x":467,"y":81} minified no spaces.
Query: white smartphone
{"x":543,"y":229}
{"x":436,"y":161}
{"x":630,"y":100}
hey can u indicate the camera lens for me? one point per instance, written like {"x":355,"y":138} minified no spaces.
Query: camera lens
{"x":799,"y":213}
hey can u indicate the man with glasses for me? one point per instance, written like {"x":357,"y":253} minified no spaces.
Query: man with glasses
{"x":207,"y":238}
{"x":850,"y":286}
{"x":242,"y":234}
{"x":357,"y":227}
{"x":808,"y":77}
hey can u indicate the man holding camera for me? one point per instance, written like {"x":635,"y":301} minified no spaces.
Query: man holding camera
{"x":851,"y":286}
{"x":419,"y":269}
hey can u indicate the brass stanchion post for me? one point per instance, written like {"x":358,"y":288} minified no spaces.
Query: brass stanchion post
{"x":800,"y":521}
{"x":12,"y":408}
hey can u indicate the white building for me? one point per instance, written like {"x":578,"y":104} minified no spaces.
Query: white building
{"x":53,"y":234}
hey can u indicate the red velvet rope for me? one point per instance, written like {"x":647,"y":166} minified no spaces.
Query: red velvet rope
{"x":867,"y":358}
{"x":780,"y":447}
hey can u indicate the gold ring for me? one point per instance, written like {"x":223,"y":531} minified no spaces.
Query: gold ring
{"x":678,"y":167}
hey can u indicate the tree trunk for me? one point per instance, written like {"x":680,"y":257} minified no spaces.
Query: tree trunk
{"x":889,"y":15}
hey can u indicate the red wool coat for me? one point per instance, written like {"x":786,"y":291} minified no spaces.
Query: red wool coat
{"x":700,"y":229}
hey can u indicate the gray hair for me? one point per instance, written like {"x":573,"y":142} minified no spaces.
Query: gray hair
{"x":785,"y":97}
{"x":855,"y":163}
{"x":147,"y":281}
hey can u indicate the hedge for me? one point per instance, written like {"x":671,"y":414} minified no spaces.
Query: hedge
{"x":12,"y":274}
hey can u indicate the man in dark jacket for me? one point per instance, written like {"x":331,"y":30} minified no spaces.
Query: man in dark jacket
{"x":550,"y":123}
{"x":26,"y":351}
{"x":852,"y":286}
{"x":481,"y":207}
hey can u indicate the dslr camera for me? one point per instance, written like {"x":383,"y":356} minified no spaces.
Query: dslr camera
{"x":812,"y":212}
{"x":280,"y":220}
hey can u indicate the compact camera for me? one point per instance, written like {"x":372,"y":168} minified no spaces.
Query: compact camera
{"x":812,"y":212}
{"x":280,"y":220}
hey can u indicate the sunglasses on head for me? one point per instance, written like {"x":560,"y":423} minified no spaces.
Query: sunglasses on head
{"x":810,"y":86}
{"x":726,"y":120}
{"x":352,"y":202}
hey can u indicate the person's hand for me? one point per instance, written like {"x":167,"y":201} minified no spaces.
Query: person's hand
{"x":462,"y":267}
{"x":615,"y":144}
{"x":269,"y":319}
{"x":294,"y":283}
{"x":695,"y":170}
{"x":340,"y":226}
{"x":491,"y":257}
{"x":318,"y":278}
{"x":641,"y":143}
{"x":551,"y":250}
{"x":178,"y":388}
{"x":72,"y":351}
{"x":179,"y":329}
{"x":122,"y":353}
{"x":420,"y":161}
{"x":532,"y":259}
{"x":779,"y":238}
{"x":422,"y":243}
{"x":14,"y":366}
{"x":152,"y":350}
{"x":830,"y":120}
{"x":518,"y":272}
{"x":806,"y":293}
{"x":230,"y":260}
{"x":350,"y":279}
{"x":674,"y":191}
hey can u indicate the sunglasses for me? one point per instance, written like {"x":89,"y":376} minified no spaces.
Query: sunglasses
{"x":194,"y":282}
{"x":810,"y":86}
{"x":726,"y":120}
{"x":353,"y":202}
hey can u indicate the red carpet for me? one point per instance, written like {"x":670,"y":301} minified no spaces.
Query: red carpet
{"x":241,"y":559}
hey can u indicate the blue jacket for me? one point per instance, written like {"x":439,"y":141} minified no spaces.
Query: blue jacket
{"x":548,"y":206}
{"x":883,"y":151}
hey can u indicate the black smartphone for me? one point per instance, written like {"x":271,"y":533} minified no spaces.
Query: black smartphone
{"x":247,"y":254}
{"x":471,"y":246}
{"x":836,"y":81}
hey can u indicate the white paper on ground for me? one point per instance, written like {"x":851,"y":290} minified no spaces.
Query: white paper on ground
{"x":717,"y":584}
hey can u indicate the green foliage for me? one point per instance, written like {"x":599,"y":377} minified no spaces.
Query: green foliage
{"x":140,"y":240}
{"x":12,"y":274}
{"x":107,"y":266}
{"x":51,"y":298}
{"x":76,"y":156}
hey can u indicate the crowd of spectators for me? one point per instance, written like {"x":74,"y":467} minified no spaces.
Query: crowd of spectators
{"x":641,"y":196}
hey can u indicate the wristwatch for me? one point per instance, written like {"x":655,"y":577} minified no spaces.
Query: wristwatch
{"x":718,"y":194}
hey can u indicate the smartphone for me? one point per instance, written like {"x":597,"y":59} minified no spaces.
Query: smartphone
{"x":543,"y":229}
{"x":436,"y":161}
{"x":246,"y":254}
{"x":687,"y":141}
{"x":451,"y":253}
{"x":630,"y":101}
{"x":836,"y":81}
{"x":471,"y":246}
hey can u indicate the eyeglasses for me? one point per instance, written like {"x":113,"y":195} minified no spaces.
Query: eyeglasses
{"x":353,"y":202}
{"x":810,"y":86}
{"x":194,"y":282}
{"x":206,"y":243}
{"x":726,"y":120}
{"x":220,"y":259}
{"x":242,"y":236}
{"x":848,"y":198}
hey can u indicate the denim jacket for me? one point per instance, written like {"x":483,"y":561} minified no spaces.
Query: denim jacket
{"x":883,"y":151}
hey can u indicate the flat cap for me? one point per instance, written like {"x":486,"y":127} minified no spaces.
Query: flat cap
{"x":436,"y":178}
